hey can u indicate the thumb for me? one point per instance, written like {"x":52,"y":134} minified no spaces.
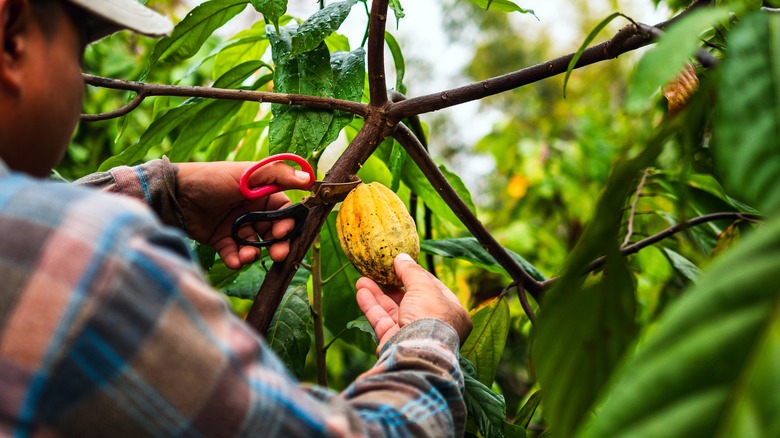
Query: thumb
{"x":409,"y":272}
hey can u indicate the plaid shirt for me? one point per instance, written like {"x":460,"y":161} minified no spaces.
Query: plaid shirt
{"x":107,"y":328}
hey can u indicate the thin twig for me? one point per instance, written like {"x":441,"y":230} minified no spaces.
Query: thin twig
{"x":655,"y":238}
{"x":630,"y":228}
{"x":529,"y":311}
{"x":319,"y":335}
{"x":146,"y":90}
{"x":119,"y":112}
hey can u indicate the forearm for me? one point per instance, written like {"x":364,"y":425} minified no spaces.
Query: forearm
{"x":153,"y":182}
{"x":416,"y":388}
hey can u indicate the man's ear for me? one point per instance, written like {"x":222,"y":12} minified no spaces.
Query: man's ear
{"x":15,"y":16}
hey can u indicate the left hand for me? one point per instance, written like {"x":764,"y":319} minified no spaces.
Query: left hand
{"x":210,"y":200}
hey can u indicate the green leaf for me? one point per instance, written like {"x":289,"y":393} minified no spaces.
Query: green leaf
{"x":485,"y":345}
{"x":288,"y":332}
{"x":398,"y":10}
{"x":580,"y":339}
{"x":295,"y":129}
{"x":528,"y":410}
{"x":501,"y":6}
{"x":585,"y":45}
{"x":673,"y":49}
{"x":398,"y":60}
{"x":272,"y":10}
{"x":234,"y":131}
{"x":484,"y":407}
{"x":703,"y":368}
{"x":187,"y":112}
{"x":683,"y":265}
{"x":189,"y":35}
{"x":202,"y":130}
{"x":321,"y":24}
{"x":339,"y":306}
{"x":349,"y":73}
{"x":156,"y":134}
{"x":584,"y":328}
{"x":396,"y":165}
{"x":747,"y":123}
{"x":469,"y":248}
{"x":243,"y":283}
{"x":248,"y":45}
{"x":419,"y":184}
{"x":362,"y":324}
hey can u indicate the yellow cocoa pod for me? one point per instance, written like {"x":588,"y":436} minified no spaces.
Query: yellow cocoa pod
{"x":374,"y":226}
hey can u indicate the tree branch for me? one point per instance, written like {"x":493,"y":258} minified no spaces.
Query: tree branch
{"x":145,"y":90}
{"x":119,"y":112}
{"x":627,"y":39}
{"x":418,"y":154}
{"x":376,"y":53}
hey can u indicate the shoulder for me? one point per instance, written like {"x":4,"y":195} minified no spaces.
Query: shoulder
{"x":53,"y":219}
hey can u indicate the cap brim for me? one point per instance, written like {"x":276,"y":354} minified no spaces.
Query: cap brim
{"x":115,"y":15}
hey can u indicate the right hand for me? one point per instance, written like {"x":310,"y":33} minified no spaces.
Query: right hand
{"x":425,"y":297}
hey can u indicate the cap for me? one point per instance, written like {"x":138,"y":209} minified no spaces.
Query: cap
{"x":114,"y":15}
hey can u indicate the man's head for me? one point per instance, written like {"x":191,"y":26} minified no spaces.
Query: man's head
{"x":40,"y":70}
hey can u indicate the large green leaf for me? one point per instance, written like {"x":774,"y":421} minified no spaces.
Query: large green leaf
{"x":349,"y":73}
{"x":710,"y":365}
{"x":469,"y":248}
{"x":296,"y":129}
{"x":485,"y":409}
{"x":321,"y":24}
{"x":747,"y":125}
{"x":667,"y":58}
{"x":288,"y":332}
{"x":189,"y":35}
{"x":485,"y":345}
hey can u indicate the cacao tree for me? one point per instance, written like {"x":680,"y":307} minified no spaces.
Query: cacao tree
{"x":652,"y":312}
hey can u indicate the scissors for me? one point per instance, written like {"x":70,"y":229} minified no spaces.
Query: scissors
{"x":322,"y":193}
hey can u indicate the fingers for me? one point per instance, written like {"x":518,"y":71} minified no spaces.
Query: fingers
{"x":281,"y":174}
{"x":384,"y":323}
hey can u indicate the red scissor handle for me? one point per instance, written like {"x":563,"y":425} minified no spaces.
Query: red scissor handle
{"x":272,"y":188}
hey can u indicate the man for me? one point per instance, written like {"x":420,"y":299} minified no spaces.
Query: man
{"x":107,"y":327}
